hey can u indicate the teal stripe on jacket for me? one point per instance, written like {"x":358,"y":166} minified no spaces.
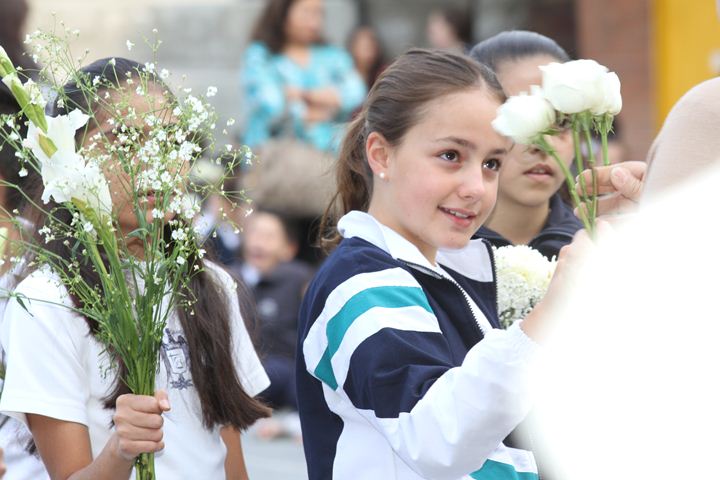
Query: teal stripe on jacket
{"x":338,"y":325}
{"x":493,"y":470}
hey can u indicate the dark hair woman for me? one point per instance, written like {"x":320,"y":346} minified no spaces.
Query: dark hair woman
{"x":59,"y":373}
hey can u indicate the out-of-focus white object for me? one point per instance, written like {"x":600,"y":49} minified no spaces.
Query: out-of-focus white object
{"x":630,"y":389}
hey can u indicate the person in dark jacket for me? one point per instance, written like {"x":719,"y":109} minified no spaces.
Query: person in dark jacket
{"x":530,"y":209}
{"x":277,"y":283}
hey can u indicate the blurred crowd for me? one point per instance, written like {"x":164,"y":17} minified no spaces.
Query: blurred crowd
{"x":298,"y":94}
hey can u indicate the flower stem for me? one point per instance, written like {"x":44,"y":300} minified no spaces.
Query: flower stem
{"x":591,"y":161}
{"x":145,"y":466}
{"x":577,"y":203}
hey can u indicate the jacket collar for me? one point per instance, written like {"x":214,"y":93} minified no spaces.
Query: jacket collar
{"x":365,"y":226}
{"x":472,"y":261}
{"x":560,"y":220}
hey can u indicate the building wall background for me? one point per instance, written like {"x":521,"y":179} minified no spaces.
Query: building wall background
{"x":660,"y":48}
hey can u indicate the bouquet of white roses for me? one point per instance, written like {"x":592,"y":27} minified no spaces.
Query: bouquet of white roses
{"x":116,"y":136}
{"x":523,"y":275}
{"x":582,"y":95}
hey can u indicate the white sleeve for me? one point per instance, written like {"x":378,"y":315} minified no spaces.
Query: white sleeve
{"x":247,"y":364}
{"x":45,"y":350}
{"x":469,"y":410}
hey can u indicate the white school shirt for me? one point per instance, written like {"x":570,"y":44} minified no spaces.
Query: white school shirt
{"x":57,"y":369}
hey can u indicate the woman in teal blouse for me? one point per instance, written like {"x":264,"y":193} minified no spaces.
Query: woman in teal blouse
{"x":293,"y":83}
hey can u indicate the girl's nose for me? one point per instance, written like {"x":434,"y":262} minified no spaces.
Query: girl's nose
{"x":473,"y":184}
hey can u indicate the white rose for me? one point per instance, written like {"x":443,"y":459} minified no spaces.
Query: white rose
{"x":581,"y":85}
{"x":612,"y":100}
{"x":524,"y":117}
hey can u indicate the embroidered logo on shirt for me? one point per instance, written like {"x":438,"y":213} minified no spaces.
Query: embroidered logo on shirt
{"x":176,"y":356}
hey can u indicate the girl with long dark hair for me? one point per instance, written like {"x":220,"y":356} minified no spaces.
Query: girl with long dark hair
{"x":66,"y":385}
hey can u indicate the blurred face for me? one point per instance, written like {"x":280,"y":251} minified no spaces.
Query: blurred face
{"x":529,"y":177}
{"x":266,"y":244}
{"x":121,"y":185}
{"x":304,"y":22}
{"x":441,"y":179}
{"x":364,"y":48}
{"x":440,"y":33}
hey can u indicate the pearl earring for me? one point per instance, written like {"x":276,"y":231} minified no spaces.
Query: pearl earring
{"x":381,"y":175}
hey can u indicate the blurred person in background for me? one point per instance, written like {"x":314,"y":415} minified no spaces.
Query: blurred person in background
{"x":13,"y":14}
{"x":15,"y":439}
{"x":277,"y":283}
{"x":293,"y":82}
{"x":450,"y":28}
{"x":298,"y":93}
{"x":367,"y":52}
{"x":530,"y":209}
{"x":16,"y":447}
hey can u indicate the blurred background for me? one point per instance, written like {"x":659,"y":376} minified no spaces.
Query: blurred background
{"x":659,"y":48}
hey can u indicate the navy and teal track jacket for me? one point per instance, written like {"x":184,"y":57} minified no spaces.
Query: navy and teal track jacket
{"x":402,"y":370}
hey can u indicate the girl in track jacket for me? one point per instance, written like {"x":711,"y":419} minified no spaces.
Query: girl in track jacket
{"x":402,"y":370}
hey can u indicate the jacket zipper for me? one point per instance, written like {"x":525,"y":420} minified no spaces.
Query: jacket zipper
{"x":464,"y":294}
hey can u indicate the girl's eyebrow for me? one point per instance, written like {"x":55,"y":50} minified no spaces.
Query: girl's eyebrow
{"x":468,"y":144}
{"x":459,"y":141}
{"x":499,"y":151}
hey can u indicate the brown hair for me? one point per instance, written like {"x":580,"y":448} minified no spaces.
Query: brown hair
{"x":208,"y":331}
{"x":270,"y":26}
{"x":393,"y":106}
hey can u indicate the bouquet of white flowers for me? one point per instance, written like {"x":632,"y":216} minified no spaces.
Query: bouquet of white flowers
{"x":118,"y":136}
{"x":523,"y":275}
{"x":582,"y":95}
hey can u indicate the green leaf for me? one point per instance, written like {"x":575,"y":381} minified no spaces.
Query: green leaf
{"x":20,"y":301}
{"x":47,"y":145}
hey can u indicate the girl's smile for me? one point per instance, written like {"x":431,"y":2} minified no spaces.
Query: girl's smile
{"x":439,"y":184}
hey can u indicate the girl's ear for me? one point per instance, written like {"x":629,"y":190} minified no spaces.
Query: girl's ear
{"x":378,"y":151}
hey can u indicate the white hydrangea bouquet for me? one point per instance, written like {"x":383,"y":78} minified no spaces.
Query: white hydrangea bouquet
{"x":523,"y":275}
{"x":147,"y":153}
{"x":582,"y":95}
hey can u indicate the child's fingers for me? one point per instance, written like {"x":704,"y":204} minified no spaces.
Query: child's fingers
{"x":139,"y":434}
{"x":138,"y":403}
{"x":163,"y":400}
{"x":130,"y":448}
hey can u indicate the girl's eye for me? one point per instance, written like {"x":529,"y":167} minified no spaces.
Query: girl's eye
{"x":450,"y":156}
{"x":492,"y":164}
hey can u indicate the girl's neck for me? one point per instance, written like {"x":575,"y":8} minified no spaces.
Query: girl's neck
{"x":298,"y":52}
{"x":518,"y":223}
{"x":135,"y":247}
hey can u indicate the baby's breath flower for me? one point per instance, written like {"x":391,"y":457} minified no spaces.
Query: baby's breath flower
{"x":211,"y":92}
{"x":23,"y":172}
{"x":129,"y":45}
{"x":180,"y":260}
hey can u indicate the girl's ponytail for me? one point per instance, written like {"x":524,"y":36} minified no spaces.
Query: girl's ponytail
{"x":354,"y":182}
